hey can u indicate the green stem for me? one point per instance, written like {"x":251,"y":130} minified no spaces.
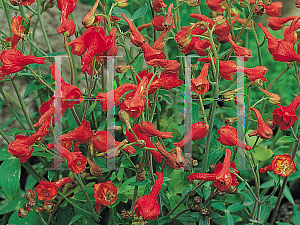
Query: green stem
{"x":22,"y":103}
{"x":271,"y":84}
{"x":248,"y":186}
{"x":257,"y":42}
{"x":229,"y":18}
{"x":7,"y":16}
{"x":4,"y":136}
{"x":70,"y":59}
{"x":37,"y":48}
{"x":41,"y":218}
{"x":32,"y":171}
{"x":128,"y":158}
{"x":41,"y":79}
{"x":43,"y":27}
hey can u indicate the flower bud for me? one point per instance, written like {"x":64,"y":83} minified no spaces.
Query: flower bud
{"x":39,"y":209}
{"x":29,"y":195}
{"x":267,"y":2}
{"x":123,"y":68}
{"x":141,"y":176}
{"x":231,"y":190}
{"x":141,"y":143}
{"x":229,"y":121}
{"x":197,"y":200}
{"x":48,"y":206}
{"x":212,"y":168}
{"x":195,"y":162}
{"x":95,"y":170}
{"x":231,"y":94}
{"x":274,"y":98}
{"x":124,"y":117}
{"x":221,"y":193}
{"x":32,"y":204}
{"x":259,"y":9}
{"x":27,"y":207}
{"x":270,"y":123}
{"x":121,"y":3}
{"x":204,"y":212}
{"x":16,"y":3}
{"x":22,"y":213}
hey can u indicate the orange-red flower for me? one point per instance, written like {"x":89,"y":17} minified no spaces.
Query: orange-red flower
{"x":200,"y":85}
{"x":14,"y":61}
{"x":159,"y":44}
{"x":226,"y":68}
{"x":117,"y":94}
{"x":149,"y":130}
{"x":158,"y":5}
{"x":165,"y":81}
{"x":196,"y":131}
{"x":168,"y":66}
{"x":92,"y":42}
{"x":147,"y":205}
{"x":283,"y":165}
{"x":274,"y":9}
{"x":183,"y":38}
{"x":67,"y":26}
{"x":70,"y":95}
{"x":105,"y":194}
{"x":136,"y":129}
{"x":297,"y":3}
{"x":18,"y":29}
{"x":157,"y":22}
{"x":285,"y":116}
{"x":48,"y":190}
{"x":263,"y":131}
{"x":174,"y":160}
{"x":151,"y":53}
{"x":215,"y":5}
{"x":254,"y":73}
{"x":242,"y":53}
{"x":66,"y":7}
{"x":135,"y":105}
{"x":228,"y":136}
{"x":201,"y":47}
{"x":276,"y":23}
{"x":76,"y":162}
{"x":21,"y":146}
{"x":282,"y":50}
{"x":222,"y":177}
{"x":136,"y":38}
{"x":89,"y":19}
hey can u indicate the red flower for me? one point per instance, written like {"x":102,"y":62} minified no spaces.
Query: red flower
{"x":242,"y":53}
{"x":282,"y":50}
{"x":201,"y":47}
{"x":94,"y":41}
{"x":76,"y":162}
{"x":283,"y":165}
{"x":200,"y":84}
{"x":183,"y":38}
{"x":226,"y":68}
{"x":105,"y":194}
{"x":17,"y":28}
{"x":165,"y":81}
{"x":254,"y":73}
{"x":48,"y":190}
{"x":135,"y":105}
{"x":174,"y":160}
{"x":147,"y":205}
{"x":14,"y":61}
{"x":222,"y":177}
{"x":27,"y":2}
{"x":215,"y":5}
{"x":158,"y":5}
{"x":67,"y":26}
{"x":285,"y":116}
{"x":168,"y":66}
{"x":274,"y":9}
{"x":20,"y":147}
{"x":68,"y":93}
{"x":66,"y":7}
{"x":276,"y":23}
{"x":157,"y":22}
{"x":196,"y":131}
{"x":297,"y":3}
{"x":82,"y":134}
{"x":263,"y":131}
{"x":151,"y":53}
{"x":228,"y":136}
{"x":104,"y":141}
{"x":168,"y":23}
{"x":149,"y":130}
{"x":159,"y":44}
{"x":118,"y":93}
{"x":136,"y":38}
{"x":89,"y":19}
{"x":136,"y":129}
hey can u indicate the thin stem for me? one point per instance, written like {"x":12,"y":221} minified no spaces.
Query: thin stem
{"x":257,"y":42}
{"x":272,"y":193}
{"x":128,"y":158}
{"x":70,"y":59}
{"x":229,"y":18}
{"x":7,"y":16}
{"x":22,"y":103}
{"x":248,"y":186}
{"x":4,"y":136}
{"x":271,"y":84}
{"x":175,"y":217}
{"x":41,"y":218}
{"x":41,"y":80}
{"x":32,"y":171}
{"x":202,"y":109}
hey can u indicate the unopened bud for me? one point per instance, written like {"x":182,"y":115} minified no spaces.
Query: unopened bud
{"x":123,"y":68}
{"x":195,"y":162}
{"x":290,"y":64}
{"x":267,"y":2}
{"x":231,"y":94}
{"x":204,"y":212}
{"x":95,"y":170}
{"x":229,"y":121}
{"x":212,"y":168}
{"x":22,"y":213}
{"x":219,"y":20}
{"x":231,"y":190}
{"x":27,"y":207}
{"x":141,"y":143}
{"x":259,"y":9}
{"x":121,"y":3}
{"x":274,"y":98}
{"x":29,"y":195}
{"x":48,"y":206}
{"x":124,"y":117}
{"x":197,"y":200}
{"x":15,"y":3}
{"x":221,"y":193}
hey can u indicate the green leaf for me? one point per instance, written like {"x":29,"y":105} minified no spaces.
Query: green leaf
{"x":10,"y":171}
{"x":219,"y":206}
{"x":120,"y":174}
{"x":235,"y":207}
{"x":251,"y":140}
{"x":31,"y":87}
{"x":118,"y":12}
{"x":140,"y":12}
{"x":262,"y":153}
{"x":30,"y":219}
{"x":164,"y":220}
{"x":177,"y":184}
{"x":296,"y":215}
{"x":79,"y":196}
{"x":16,"y":131}
{"x":4,"y":154}
{"x":288,"y":195}
{"x":214,"y":215}
{"x":7,"y":206}
{"x":174,"y":200}
{"x":55,"y":54}
{"x":203,"y":221}
{"x":90,"y":109}
{"x":268,"y":184}
{"x":228,"y":218}
{"x":77,"y":217}
{"x":139,"y":183}
{"x":64,"y":215}
{"x":286,"y":139}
